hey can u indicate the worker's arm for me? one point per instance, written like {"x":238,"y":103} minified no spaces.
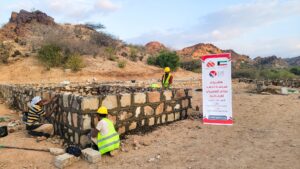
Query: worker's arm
{"x":94,"y":133}
{"x":171,"y":80}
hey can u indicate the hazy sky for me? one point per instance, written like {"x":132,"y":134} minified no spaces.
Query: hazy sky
{"x":252,"y":27}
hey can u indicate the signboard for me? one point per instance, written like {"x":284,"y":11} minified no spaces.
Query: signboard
{"x":216,"y":85}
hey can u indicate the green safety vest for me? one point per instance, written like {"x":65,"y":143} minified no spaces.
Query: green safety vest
{"x":110,"y":141}
{"x":166,"y":80}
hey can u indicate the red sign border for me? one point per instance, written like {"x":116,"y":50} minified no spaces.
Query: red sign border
{"x":220,"y":55}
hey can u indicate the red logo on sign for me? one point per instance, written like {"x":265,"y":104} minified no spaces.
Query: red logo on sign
{"x":210,"y":64}
{"x":212,"y":73}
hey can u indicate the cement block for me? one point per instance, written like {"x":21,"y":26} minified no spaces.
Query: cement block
{"x":168,"y":95}
{"x":110,"y":102}
{"x":90,"y":155}
{"x":125,"y":100}
{"x":148,"y":111}
{"x":153,"y":97}
{"x":89,"y":103}
{"x":65,"y":160}
{"x":159,"y":109}
{"x":139,"y":98}
{"x":163,"y":118}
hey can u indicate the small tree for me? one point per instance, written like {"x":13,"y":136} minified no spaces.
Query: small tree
{"x":74,"y":62}
{"x":168,"y":59}
{"x":51,"y":55}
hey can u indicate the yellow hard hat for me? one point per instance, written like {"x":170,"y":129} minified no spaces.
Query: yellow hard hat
{"x":102,"y":110}
{"x":167,"y":69}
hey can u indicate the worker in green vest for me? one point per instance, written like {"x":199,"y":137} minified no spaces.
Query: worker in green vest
{"x":108,"y":139}
{"x":167,"y":79}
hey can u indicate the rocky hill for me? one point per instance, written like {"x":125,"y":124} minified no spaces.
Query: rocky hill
{"x":155,"y":47}
{"x":270,"y":62}
{"x":295,"y":61}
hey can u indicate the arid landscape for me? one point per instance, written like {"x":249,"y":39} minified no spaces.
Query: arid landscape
{"x":36,"y":50}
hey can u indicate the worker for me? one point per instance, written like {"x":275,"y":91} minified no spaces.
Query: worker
{"x":34,"y":118}
{"x":108,"y":139}
{"x":167,"y":79}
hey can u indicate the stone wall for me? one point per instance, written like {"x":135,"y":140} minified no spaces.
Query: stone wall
{"x":286,"y":83}
{"x":131,"y":109}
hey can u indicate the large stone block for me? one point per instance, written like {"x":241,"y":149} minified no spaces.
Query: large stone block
{"x":75,"y":119}
{"x":123,"y":115}
{"x":139,"y":98}
{"x":132,"y":126}
{"x":185,"y":103}
{"x":110,"y":102}
{"x":163,"y":118}
{"x":90,"y":155}
{"x":177,"y":115}
{"x":112,"y":118}
{"x":137,"y":111}
{"x":159,"y":109}
{"x":154,"y":97}
{"x":86,"y":122}
{"x":149,"y":111}
{"x":170,"y":117}
{"x":169,"y":108}
{"x":151,"y":121}
{"x":121,"y":130}
{"x":168,"y":95}
{"x":66,"y":100}
{"x":89,"y":103}
{"x":56,"y":151}
{"x":65,"y":160}
{"x":180,"y":94}
{"x":177,"y":107}
{"x":84,"y":140}
{"x":125,"y":100}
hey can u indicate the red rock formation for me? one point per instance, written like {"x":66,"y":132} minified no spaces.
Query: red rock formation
{"x":155,"y":47}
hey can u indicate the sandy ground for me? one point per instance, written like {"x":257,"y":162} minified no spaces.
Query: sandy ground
{"x":265,"y":135}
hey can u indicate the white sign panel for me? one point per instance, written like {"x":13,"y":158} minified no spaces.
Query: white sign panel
{"x":217,"y":92}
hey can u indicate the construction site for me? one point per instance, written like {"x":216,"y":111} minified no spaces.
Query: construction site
{"x":74,"y":96}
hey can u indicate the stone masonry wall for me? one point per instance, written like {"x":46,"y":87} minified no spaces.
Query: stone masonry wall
{"x":131,"y":109}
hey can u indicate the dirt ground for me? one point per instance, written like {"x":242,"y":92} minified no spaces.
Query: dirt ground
{"x":265,"y":135}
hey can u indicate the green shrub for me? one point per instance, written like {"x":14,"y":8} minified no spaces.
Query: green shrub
{"x":151,"y":60}
{"x":245,"y":73}
{"x":74,"y":62}
{"x":4,"y":52}
{"x":295,"y":70}
{"x":111,"y":53}
{"x":51,"y":55}
{"x":122,"y":63}
{"x":165,"y":59}
{"x":168,"y":59}
{"x":133,"y":54}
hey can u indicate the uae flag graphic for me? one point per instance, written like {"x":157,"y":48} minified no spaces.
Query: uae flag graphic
{"x":222,"y":63}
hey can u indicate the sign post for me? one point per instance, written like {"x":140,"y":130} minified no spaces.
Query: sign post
{"x":217,"y":91}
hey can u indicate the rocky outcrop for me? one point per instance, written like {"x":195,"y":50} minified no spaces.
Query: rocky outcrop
{"x":295,"y":61}
{"x":198,"y":50}
{"x":155,"y":47}
{"x":270,"y":62}
{"x":24,"y":17}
